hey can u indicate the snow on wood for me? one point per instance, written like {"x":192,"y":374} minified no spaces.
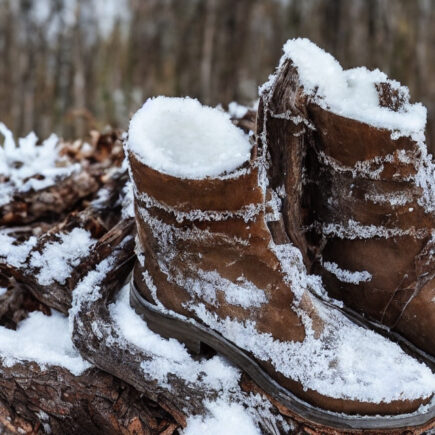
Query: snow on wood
{"x":19,"y":164}
{"x":57,"y":260}
{"x":43,"y":339}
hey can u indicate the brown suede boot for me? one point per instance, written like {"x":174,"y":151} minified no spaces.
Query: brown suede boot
{"x":216,"y":267}
{"x":348,"y":150}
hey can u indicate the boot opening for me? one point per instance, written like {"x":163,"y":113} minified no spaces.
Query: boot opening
{"x":181,"y":137}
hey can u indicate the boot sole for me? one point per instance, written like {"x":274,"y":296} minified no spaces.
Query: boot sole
{"x":192,"y":334}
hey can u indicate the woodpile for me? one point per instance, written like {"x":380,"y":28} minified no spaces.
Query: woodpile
{"x":115,"y":395}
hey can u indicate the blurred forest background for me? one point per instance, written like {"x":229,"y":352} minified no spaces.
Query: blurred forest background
{"x":71,"y":65}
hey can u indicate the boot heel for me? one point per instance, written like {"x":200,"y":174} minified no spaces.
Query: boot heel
{"x":160,"y":324}
{"x":194,"y":346}
{"x":162,"y":328}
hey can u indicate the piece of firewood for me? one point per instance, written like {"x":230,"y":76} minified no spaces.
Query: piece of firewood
{"x":100,"y":215}
{"x":39,"y":400}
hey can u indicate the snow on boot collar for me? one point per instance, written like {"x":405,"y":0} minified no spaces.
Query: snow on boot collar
{"x":355,"y":93}
{"x":182,"y":138}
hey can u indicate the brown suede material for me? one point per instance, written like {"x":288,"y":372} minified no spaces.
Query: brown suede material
{"x":420,"y":313}
{"x":208,"y":194}
{"x":252,"y":233}
{"x":357,"y":206}
{"x":230,"y":259}
{"x":379,"y":257}
{"x":349,"y":141}
{"x":233,"y":248}
{"x":324,"y":187}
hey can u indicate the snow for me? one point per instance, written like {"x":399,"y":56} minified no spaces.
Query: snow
{"x":206,"y":285}
{"x":247,"y":213}
{"x":371,"y":169}
{"x":236,"y":110}
{"x":180,"y":137}
{"x":347,"y":275}
{"x":127,"y":200}
{"x":43,"y":339}
{"x":20,"y":164}
{"x":87,"y":290}
{"x":296,"y":119}
{"x":3,"y":290}
{"x":295,"y":272}
{"x":345,"y":362}
{"x":170,"y":356}
{"x":224,"y":418}
{"x":351,"y":93}
{"x":425,"y":177}
{"x":13,"y":252}
{"x":44,"y":418}
{"x":57,"y":260}
{"x":353,"y":229}
{"x":393,"y":199}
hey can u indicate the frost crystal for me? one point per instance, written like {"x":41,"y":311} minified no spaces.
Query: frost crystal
{"x":13,"y":252}
{"x":224,"y":418}
{"x":346,"y":275}
{"x":346,"y":362}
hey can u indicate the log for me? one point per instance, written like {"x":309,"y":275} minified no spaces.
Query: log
{"x":94,"y":158}
{"x":100,"y":215}
{"x":34,"y":399}
{"x":52,"y":399}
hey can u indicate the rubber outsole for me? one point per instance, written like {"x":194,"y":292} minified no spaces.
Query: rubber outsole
{"x":193,"y":334}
